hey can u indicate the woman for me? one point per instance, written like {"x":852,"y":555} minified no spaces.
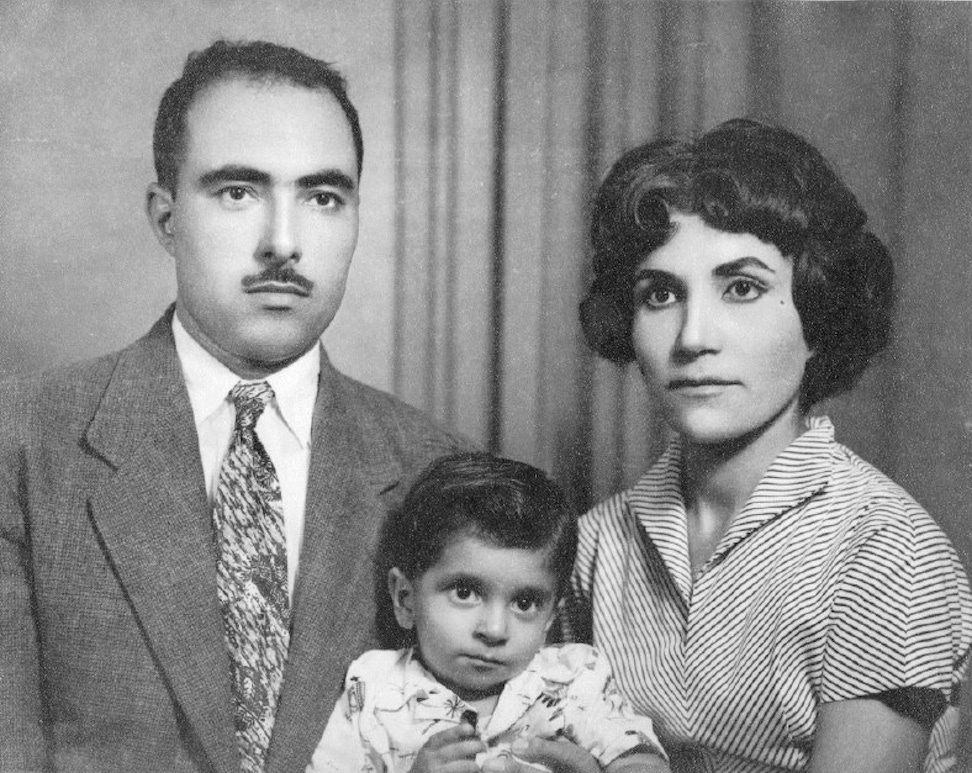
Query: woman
{"x":769,"y":599}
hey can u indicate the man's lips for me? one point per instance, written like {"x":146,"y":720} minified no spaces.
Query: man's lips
{"x":277,"y":287}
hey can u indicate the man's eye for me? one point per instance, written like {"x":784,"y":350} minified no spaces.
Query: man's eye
{"x":234,"y":193}
{"x":327,"y":200}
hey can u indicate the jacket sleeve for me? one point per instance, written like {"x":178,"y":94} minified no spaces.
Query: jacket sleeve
{"x":22,"y":745}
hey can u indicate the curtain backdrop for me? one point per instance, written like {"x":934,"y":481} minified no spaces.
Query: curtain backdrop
{"x":508,"y":114}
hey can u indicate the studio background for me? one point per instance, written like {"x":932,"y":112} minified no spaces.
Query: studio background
{"x":488,"y":126}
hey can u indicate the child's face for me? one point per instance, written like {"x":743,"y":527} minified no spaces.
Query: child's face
{"x":480,"y":613}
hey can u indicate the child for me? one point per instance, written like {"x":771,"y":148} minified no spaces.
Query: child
{"x":478,"y":557}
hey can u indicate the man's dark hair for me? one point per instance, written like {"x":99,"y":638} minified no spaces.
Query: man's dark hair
{"x":257,"y":61}
{"x":748,"y":177}
{"x":503,"y":502}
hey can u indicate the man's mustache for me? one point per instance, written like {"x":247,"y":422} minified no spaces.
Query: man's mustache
{"x":281,"y":275}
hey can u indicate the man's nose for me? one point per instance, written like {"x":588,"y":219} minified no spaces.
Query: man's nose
{"x":281,"y":242}
{"x":493,"y":625}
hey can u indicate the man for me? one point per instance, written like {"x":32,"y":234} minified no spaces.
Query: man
{"x":186,"y":526}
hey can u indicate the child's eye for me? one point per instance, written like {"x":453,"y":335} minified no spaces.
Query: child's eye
{"x":526,"y":604}
{"x":463,"y":593}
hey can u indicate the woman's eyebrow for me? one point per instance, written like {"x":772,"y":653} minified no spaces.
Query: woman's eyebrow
{"x":651,"y":273}
{"x":733,"y":267}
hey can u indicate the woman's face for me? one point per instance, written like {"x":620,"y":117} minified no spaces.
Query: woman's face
{"x":717,"y":335}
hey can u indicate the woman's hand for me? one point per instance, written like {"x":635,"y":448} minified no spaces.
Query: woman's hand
{"x":451,"y":751}
{"x":556,"y":756}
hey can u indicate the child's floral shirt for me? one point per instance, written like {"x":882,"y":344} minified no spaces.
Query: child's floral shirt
{"x":391,"y":706}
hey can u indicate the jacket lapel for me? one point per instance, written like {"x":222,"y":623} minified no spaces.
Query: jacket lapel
{"x":153,"y":517}
{"x":333,"y":610}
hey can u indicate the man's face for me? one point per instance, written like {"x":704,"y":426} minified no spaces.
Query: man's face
{"x":264,"y":221}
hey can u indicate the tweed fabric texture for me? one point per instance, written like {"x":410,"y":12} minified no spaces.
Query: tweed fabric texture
{"x":252,"y":575}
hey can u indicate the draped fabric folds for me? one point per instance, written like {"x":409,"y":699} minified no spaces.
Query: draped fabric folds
{"x":508,"y":115}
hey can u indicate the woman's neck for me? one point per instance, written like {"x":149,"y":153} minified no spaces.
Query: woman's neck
{"x":717,"y":480}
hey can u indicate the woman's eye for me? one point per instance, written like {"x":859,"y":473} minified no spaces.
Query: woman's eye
{"x":657,"y":297}
{"x":744,"y":290}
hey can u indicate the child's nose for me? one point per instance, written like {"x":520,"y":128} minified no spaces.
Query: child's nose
{"x":492,"y":626}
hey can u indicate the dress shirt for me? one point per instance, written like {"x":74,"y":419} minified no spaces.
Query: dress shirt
{"x":284,"y":427}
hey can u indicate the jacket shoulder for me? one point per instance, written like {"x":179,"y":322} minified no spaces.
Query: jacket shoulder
{"x":54,"y":395}
{"x":406,"y":428}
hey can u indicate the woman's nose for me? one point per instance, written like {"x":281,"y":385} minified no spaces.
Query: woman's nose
{"x":699,"y":330}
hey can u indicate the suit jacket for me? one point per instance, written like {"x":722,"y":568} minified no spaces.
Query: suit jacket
{"x":111,"y":644}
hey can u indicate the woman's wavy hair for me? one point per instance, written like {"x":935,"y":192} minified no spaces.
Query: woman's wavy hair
{"x":744,"y":176}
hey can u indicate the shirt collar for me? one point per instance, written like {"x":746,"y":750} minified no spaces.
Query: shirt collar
{"x":209,"y":382}
{"x":434,"y":701}
{"x":802,"y":469}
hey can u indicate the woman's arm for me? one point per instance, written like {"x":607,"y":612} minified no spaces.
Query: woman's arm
{"x":865,"y":736}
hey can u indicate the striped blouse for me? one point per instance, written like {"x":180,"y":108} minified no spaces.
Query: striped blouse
{"x":831,"y":584}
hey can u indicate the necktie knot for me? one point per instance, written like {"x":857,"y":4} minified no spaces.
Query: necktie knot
{"x":250,"y":399}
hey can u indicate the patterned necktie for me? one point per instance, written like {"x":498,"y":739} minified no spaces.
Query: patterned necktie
{"x":252,"y":575}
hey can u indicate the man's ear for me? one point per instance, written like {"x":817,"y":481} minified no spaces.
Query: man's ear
{"x":403,"y":598}
{"x":159,"y":206}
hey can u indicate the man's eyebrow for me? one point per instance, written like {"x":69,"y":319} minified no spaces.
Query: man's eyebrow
{"x":333,"y":178}
{"x":733,"y":267}
{"x":233,"y":173}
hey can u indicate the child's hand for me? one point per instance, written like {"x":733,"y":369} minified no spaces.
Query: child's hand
{"x":451,"y":751}
{"x":559,"y":756}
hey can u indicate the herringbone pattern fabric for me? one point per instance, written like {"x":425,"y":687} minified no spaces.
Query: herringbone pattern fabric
{"x":252,"y":575}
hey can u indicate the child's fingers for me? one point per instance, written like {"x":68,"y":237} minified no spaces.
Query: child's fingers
{"x":560,"y":756}
{"x":450,"y":751}
{"x":451,"y":736}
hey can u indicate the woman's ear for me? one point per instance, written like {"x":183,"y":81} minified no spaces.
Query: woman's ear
{"x":402,"y":595}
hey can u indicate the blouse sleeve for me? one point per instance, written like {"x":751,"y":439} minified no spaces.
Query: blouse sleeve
{"x":901,"y":615}
{"x":596,"y":715}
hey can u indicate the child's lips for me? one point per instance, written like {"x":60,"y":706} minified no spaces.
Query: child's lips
{"x":483,"y":660}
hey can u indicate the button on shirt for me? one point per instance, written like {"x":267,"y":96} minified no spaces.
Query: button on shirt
{"x":831,"y":584}
{"x":284,"y":427}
